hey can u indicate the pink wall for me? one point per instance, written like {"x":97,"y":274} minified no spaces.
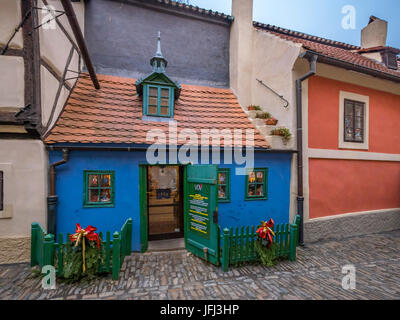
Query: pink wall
{"x":342,"y":186}
{"x":323,"y":115}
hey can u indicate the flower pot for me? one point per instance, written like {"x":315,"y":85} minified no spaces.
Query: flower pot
{"x":271,"y":121}
{"x":276,"y":132}
{"x":252,"y":108}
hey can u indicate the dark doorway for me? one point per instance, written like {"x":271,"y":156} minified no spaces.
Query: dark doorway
{"x":165,"y":202}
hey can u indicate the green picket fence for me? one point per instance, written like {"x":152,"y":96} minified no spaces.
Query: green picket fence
{"x":44,"y":249}
{"x":238,"y":245}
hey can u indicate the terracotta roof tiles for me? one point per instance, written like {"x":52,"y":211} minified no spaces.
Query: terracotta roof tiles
{"x":330,"y":48}
{"x":113,"y":114}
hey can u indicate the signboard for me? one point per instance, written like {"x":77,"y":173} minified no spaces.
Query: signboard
{"x":201,"y":226}
{"x":199,"y":213}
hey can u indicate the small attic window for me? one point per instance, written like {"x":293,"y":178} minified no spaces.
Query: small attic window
{"x":158,"y":101}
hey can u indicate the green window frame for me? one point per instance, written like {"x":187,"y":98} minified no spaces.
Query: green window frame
{"x":98,"y":188}
{"x":156,"y":101}
{"x":224,"y":187}
{"x":256,"y":184}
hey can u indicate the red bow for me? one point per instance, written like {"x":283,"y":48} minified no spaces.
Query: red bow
{"x":89,"y":233}
{"x":265,"y":230}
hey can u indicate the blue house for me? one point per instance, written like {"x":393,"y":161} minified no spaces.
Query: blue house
{"x":179,"y":159}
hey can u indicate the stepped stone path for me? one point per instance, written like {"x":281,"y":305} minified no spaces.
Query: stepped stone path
{"x":317,"y":274}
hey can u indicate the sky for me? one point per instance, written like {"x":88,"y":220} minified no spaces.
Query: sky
{"x":321,"y":18}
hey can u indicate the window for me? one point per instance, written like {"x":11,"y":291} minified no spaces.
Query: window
{"x":353,"y":121}
{"x":256,"y":184}
{"x":98,"y":189}
{"x":224,"y":185}
{"x":1,"y":191}
{"x":158,"y":101}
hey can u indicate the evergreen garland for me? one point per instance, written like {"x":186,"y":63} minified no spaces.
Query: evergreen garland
{"x":266,"y":253}
{"x":73,"y":261}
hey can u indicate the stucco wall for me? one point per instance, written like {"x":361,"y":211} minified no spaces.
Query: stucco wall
{"x":24,"y":163}
{"x":10,"y":17}
{"x":54,"y":50}
{"x":126,"y":165}
{"x":12,"y":82}
{"x":343,"y":186}
{"x":323,"y":115}
{"x":122,"y":37}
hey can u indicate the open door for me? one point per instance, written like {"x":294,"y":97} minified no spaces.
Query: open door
{"x":201,"y":212}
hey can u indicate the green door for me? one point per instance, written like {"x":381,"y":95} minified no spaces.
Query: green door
{"x":201,"y":212}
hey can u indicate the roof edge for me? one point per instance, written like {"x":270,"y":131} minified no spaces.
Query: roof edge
{"x":351,"y":66}
{"x":305,"y":36}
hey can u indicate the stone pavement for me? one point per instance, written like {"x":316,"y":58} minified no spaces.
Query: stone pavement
{"x":178,"y":275}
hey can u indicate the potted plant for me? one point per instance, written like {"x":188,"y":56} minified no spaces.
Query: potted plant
{"x":265,"y":246}
{"x":283,"y":132}
{"x":268,"y":118}
{"x":253,"y":108}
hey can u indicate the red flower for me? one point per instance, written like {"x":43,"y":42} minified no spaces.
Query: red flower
{"x":265,"y":230}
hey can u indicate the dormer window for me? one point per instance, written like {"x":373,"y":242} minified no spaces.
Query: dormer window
{"x":158,"y":90}
{"x":158,"y":101}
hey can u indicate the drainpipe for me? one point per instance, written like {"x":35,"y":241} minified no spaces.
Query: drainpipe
{"x":299,"y":92}
{"x":52,"y":199}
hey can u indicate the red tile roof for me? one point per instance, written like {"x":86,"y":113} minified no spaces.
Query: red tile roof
{"x":329,"y":48}
{"x":113,"y":114}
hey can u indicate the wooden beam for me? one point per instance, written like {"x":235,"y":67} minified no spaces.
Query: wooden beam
{"x":73,"y":21}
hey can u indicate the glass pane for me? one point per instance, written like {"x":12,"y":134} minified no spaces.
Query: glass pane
{"x":105,"y":180}
{"x":359,"y":110}
{"x":105,"y":195}
{"x":252,"y":177}
{"x":93,"y":180}
{"x":349,"y":133}
{"x":93,"y":195}
{"x":153,"y":92}
{"x":221,"y":178}
{"x":260,"y":176}
{"x":153,"y":101}
{"x":348,"y":108}
{"x":260,"y":190}
{"x":221,"y":192}
{"x":348,"y":122}
{"x":165,"y":93}
{"x":359,"y":123}
{"x":164,"y":102}
{"x":358,"y":135}
{"x":153,"y":109}
{"x":252,"y":190}
{"x":164,"y":111}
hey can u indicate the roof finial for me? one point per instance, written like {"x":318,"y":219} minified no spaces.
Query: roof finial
{"x":158,"y":62}
{"x":159,"y":53}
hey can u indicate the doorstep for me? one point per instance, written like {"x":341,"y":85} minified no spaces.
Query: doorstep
{"x":166,"y":245}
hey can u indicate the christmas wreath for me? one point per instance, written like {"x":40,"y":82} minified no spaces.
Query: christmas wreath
{"x":83,"y":255}
{"x":265,"y":246}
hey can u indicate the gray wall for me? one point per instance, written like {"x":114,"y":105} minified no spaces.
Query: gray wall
{"x":122,"y":37}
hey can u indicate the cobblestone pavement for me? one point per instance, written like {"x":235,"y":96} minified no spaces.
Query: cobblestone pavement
{"x":178,"y":275}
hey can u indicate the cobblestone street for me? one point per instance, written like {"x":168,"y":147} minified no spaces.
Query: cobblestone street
{"x":177,"y":275}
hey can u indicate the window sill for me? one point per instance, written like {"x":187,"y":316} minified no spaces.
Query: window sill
{"x":256,"y":198}
{"x":88,"y":206}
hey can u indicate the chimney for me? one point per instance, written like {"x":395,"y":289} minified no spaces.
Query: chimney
{"x":373,"y":43}
{"x":241,"y":48}
{"x":374,"y":34}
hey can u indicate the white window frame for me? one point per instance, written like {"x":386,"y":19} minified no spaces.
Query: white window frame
{"x":359,"y":98}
